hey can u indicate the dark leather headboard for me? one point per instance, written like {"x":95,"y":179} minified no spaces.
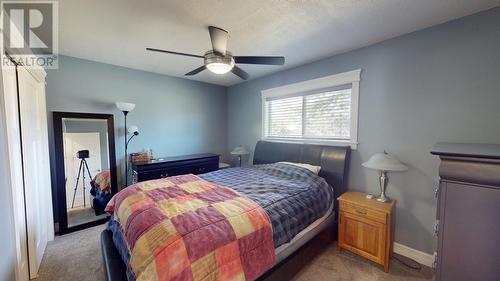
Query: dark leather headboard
{"x":334,"y":160}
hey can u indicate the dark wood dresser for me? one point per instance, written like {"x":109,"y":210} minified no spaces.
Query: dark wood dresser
{"x":173,"y":166}
{"x":468,"y":212}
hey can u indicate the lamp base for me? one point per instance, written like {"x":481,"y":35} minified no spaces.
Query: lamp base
{"x":383,"y":199}
{"x":383,"y":185}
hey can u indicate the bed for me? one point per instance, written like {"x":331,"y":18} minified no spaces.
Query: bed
{"x":261,"y":183}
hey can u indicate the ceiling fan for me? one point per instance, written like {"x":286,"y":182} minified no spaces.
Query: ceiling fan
{"x":220,"y":61}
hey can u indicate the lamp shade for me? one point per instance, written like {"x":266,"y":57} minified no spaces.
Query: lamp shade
{"x":133,"y":129}
{"x":125,"y":106}
{"x":220,"y":68}
{"x":240,"y":150}
{"x":384,"y":162}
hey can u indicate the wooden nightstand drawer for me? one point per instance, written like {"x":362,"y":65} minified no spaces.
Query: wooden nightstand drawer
{"x":363,"y":212}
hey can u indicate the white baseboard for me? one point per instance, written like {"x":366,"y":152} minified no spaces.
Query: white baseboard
{"x":420,"y":257}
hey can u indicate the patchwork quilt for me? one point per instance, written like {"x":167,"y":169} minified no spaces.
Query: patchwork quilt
{"x":186,"y":228}
{"x":102,"y":181}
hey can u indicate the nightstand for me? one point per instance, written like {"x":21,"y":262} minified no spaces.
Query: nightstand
{"x":366,"y":227}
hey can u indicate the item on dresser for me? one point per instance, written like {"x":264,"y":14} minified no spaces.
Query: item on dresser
{"x":384,"y":163}
{"x":467,"y":226}
{"x":142,"y":156}
{"x":172,"y":166}
{"x":240,"y":151}
{"x":366,"y":227}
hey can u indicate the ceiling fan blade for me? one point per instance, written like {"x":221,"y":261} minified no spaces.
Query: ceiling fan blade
{"x":196,"y":71}
{"x":219,"y":39}
{"x":173,"y":53}
{"x":240,"y":73}
{"x":259,"y":60}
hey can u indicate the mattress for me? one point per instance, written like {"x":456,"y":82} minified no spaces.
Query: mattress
{"x":285,"y":250}
{"x":298,"y":203}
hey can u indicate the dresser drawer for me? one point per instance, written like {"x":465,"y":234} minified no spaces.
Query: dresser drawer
{"x":196,"y":169}
{"x":363,"y":212}
{"x":199,"y":167}
{"x":153,"y":174}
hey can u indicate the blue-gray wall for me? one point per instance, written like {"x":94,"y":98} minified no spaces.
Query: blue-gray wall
{"x":175,"y":116}
{"x":438,"y":84}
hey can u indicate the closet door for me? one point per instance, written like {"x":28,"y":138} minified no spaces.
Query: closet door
{"x":33,"y":119}
{"x":16,"y":171}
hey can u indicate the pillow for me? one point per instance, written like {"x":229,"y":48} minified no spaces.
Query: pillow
{"x":312,"y":168}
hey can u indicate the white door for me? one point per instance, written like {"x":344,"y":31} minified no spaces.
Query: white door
{"x":74,"y":142}
{"x":33,"y":119}
{"x":16,"y":171}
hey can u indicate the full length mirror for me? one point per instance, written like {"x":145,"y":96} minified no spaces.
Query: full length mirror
{"x":86,"y":168}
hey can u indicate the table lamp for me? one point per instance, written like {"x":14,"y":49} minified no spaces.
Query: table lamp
{"x":240,"y":151}
{"x":384,"y":163}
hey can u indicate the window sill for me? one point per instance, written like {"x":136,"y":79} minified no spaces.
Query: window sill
{"x":353,"y":145}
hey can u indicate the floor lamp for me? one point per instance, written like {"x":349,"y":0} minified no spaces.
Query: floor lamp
{"x":125,"y":107}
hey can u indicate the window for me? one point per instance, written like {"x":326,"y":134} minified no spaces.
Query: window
{"x":322,"y":110}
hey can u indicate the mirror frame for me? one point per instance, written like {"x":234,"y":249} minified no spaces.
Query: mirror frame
{"x":60,"y":171}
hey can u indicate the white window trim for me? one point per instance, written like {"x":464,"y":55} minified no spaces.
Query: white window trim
{"x":350,"y":77}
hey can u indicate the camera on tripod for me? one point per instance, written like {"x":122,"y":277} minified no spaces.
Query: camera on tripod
{"x":83,"y":154}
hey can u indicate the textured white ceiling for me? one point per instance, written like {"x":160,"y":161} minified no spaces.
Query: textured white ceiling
{"x":118,"y":31}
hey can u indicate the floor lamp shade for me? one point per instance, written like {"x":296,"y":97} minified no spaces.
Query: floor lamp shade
{"x":125,"y":106}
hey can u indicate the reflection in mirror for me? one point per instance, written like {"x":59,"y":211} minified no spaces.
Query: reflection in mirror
{"x":87,"y":169}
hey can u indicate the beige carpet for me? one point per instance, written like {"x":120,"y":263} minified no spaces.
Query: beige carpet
{"x":77,"y":257}
{"x":82,"y":215}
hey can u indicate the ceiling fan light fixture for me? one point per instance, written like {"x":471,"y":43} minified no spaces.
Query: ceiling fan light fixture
{"x":219,"y":67}
{"x":219,"y":64}
{"x":220,"y":61}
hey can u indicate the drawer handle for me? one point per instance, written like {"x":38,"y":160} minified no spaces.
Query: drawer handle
{"x":436,"y":191}
{"x":164,"y":175}
{"x":361,"y":212}
{"x":201,"y":169}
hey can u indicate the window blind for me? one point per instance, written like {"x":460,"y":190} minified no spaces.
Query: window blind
{"x":324,"y":114}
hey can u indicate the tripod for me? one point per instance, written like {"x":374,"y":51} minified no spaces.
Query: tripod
{"x":81,"y":170}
